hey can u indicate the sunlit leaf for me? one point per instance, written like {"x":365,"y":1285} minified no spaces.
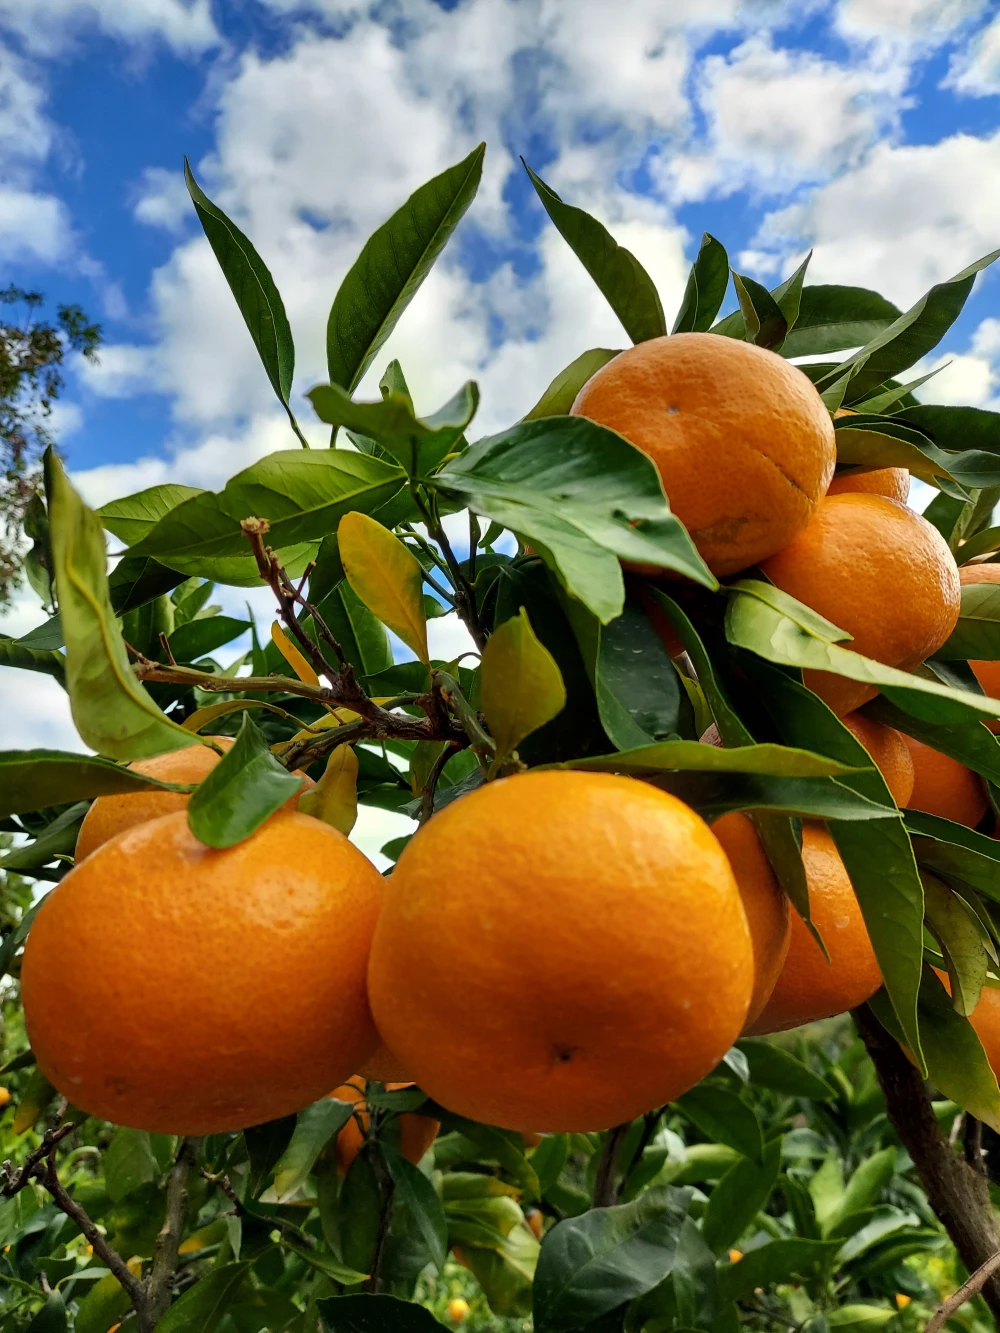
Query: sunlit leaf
{"x":293,"y":655}
{"x":334,"y":799}
{"x":387,"y":578}
{"x":244,"y":788}
{"x":561,"y":394}
{"x":133,"y":516}
{"x":521,"y":685}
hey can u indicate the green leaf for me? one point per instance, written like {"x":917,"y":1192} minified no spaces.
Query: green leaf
{"x":314,"y":1128}
{"x":963,"y":430}
{"x":775,"y":1068}
{"x":590,"y":1265}
{"x":417,"y":445}
{"x":911,"y":336}
{"x":245,"y":787}
{"x":256,"y":295}
{"x":864,"y":1189}
{"x":583,"y":497}
{"x":833,"y":318}
{"x":956,"y":853}
{"x":706,"y":287}
{"x":769,"y":759}
{"x":202,"y":1307}
{"x":36,"y":779}
{"x":969,"y":741}
{"x":521,"y":685}
{"x":871,"y":442}
{"x":860,"y":1318}
{"x":961,"y":940}
{"x":977,"y":634}
{"x":561,"y":394}
{"x":386,"y":577}
{"x":763,"y":322}
{"x":721,"y":1115}
{"x":104,"y":1304}
{"x":51,"y":1318}
{"x":334,"y":799}
{"x":375,"y":1314}
{"x":324,"y":1263}
{"x":128,"y":1163}
{"x":624,"y":283}
{"x":137,"y":580}
{"x":779,"y":1261}
{"x":132,"y":517}
{"x":956,"y":1062}
{"x":265,"y":1145}
{"x":885,"y":398}
{"x":394,"y":262}
{"x":56,"y":839}
{"x":301,"y":494}
{"x":739,"y":1196}
{"x":112,"y":712}
{"x":416,"y":1192}
{"x":198,"y":638}
{"x":985,"y":542}
{"x":360,"y":633}
{"x":45,"y":660}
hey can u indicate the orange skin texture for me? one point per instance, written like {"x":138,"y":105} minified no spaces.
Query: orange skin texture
{"x":109,"y":815}
{"x":159,"y":947}
{"x":630,"y":984}
{"x":987,"y":673}
{"x":944,"y":787}
{"x":416,"y":1132}
{"x":985,"y":1018}
{"x":810,"y":988}
{"x":889,"y":751}
{"x":881,"y":573}
{"x":764,"y":901}
{"x":892,"y":482}
{"x":383,"y":1067}
{"x":692,"y":397}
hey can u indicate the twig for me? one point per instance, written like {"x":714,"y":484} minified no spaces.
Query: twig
{"x":604,"y":1181}
{"x":465,"y":599}
{"x":965,"y":1292}
{"x":388,"y":1188}
{"x":157,"y":1285}
{"x":15,"y":1181}
{"x":430,"y":786}
{"x":109,"y":1257}
{"x":972,"y":1143}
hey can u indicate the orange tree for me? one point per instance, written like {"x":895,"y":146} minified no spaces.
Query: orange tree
{"x":563,"y":964}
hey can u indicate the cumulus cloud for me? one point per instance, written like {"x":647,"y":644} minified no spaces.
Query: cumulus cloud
{"x":975,"y":70}
{"x":46,"y":26}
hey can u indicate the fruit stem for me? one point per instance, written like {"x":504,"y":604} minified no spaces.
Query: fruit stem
{"x":387,"y":1188}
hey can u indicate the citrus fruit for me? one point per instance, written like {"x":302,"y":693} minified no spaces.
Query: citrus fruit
{"x":608,"y":959}
{"x":987,"y":673}
{"x":889,"y":751}
{"x":809,"y":987}
{"x":985,"y":1018}
{"x":944,"y":787}
{"x":171,"y":987}
{"x":109,"y":815}
{"x":892,"y":482}
{"x":743,"y":442}
{"x":881,"y":573}
{"x":416,"y":1132}
{"x":536,"y":1222}
{"x":458,"y":1310}
{"x":383,"y":1067}
{"x":764,"y":901}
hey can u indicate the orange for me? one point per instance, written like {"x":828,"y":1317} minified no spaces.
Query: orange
{"x":416,"y":1132}
{"x":987,"y":673}
{"x":536,"y":1222}
{"x":113,"y":814}
{"x":609,"y":964}
{"x":892,"y":482}
{"x":5,"y":1097}
{"x":383,"y":1067}
{"x":809,"y":987}
{"x":881,"y":573}
{"x":743,"y":442}
{"x":175,"y":988}
{"x":942,"y":786}
{"x":458,"y":1310}
{"x":889,"y":751}
{"x":985,"y":1018}
{"x":764,"y":901}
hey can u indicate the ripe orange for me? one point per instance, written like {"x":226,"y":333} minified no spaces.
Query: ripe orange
{"x":942,"y":786}
{"x":878,"y":571}
{"x":458,"y":1309}
{"x":383,"y":1067}
{"x":892,"y":482}
{"x":889,"y":751}
{"x":113,"y":814}
{"x":764,"y":902}
{"x":630,"y":983}
{"x":416,"y":1132}
{"x":987,"y":673}
{"x":175,"y":988}
{"x":536,"y":1222}
{"x":743,"y":442}
{"x":809,"y":987}
{"x":985,"y":1018}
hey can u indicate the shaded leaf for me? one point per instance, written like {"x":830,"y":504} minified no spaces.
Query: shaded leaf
{"x":739,"y":1196}
{"x":137,"y":580}
{"x":375,"y":1314}
{"x":561,"y":394}
{"x":265,"y":1145}
{"x":314,"y":1128}
{"x":961,"y":941}
{"x":202,"y":1307}
{"x":832,"y":318}
{"x":521,"y":685}
{"x":133,"y":516}
{"x":977,"y":634}
{"x":763,"y":321}
{"x":775,"y":1068}
{"x":198,"y":638}
{"x":128,"y":1163}
{"x":721,"y":1115}
{"x":25,"y":658}
{"x":416,"y":1192}
{"x":775,"y":1262}
{"x":244,"y":788}
{"x":386,"y":577}
{"x":706,"y":287}
{"x":36,"y":779}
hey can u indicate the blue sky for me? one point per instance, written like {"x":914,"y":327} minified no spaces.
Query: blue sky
{"x":867,"y":129}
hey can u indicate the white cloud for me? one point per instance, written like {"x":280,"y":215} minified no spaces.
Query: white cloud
{"x":33,"y":226}
{"x":925,"y":22}
{"x":975,"y":70}
{"x":25,"y":131}
{"x":162,"y":200}
{"x":46,"y":26}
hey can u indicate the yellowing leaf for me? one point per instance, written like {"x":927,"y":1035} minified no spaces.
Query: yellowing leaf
{"x":112,"y":711}
{"x":334,"y":799}
{"x":292,"y":656}
{"x":522,"y":687}
{"x":387,"y":578}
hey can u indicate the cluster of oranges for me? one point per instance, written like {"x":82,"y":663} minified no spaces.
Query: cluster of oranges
{"x":555,"y":951}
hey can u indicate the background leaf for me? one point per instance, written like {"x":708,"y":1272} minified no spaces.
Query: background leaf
{"x":739,"y":1196}
{"x":35,"y":779}
{"x":721,"y":1115}
{"x":375,"y":1314}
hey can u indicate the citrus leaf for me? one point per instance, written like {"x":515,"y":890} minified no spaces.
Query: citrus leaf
{"x":592,"y":1264}
{"x":624,"y":283}
{"x":862,"y":1190}
{"x":201,"y":717}
{"x":961,"y":941}
{"x":25,"y":658}
{"x":420,"y":1198}
{"x":35,"y":779}
{"x":706,"y":287}
{"x":375,"y":1314}
{"x":360,"y":633}
{"x":292,"y":655}
{"x":131,"y":517}
{"x":56,"y":839}
{"x":983,"y":543}
{"x":977,"y":635}
{"x":324,"y":1263}
{"x":314,"y":1128}
{"x":778,"y":1261}
{"x":334,"y":799}
{"x":521,"y":687}
{"x":202,"y":1308}
{"x":872,"y":442}
{"x":882,"y":400}
{"x":244,"y":788}
{"x":686,"y":756}
{"x":138,"y":580}
{"x":37,"y":1094}
{"x":256,"y":295}
{"x":739,"y":1196}
{"x":859,"y":1318}
{"x":265,"y":1145}
{"x":301,"y":494}
{"x":387,"y":578}
{"x":417,"y":445}
{"x":128,"y":1163}
{"x":832,"y":318}
{"x":583,"y":497}
{"x":763,"y":322}
{"x":775,"y":1068}
{"x":726,"y":1119}
{"x":956,"y":1062}
{"x":958,"y":854}
{"x":394,"y":262}
{"x":969,"y":742}
{"x":560,"y":396}
{"x":112,"y":712}
{"x":198,"y":638}
{"x":51,"y":1318}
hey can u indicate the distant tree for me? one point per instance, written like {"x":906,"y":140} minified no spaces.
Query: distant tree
{"x":32,"y":352}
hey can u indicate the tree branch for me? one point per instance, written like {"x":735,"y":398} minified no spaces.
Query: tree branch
{"x":156,"y":1293}
{"x":109,"y":1257}
{"x":604,"y":1180}
{"x":965,"y":1293}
